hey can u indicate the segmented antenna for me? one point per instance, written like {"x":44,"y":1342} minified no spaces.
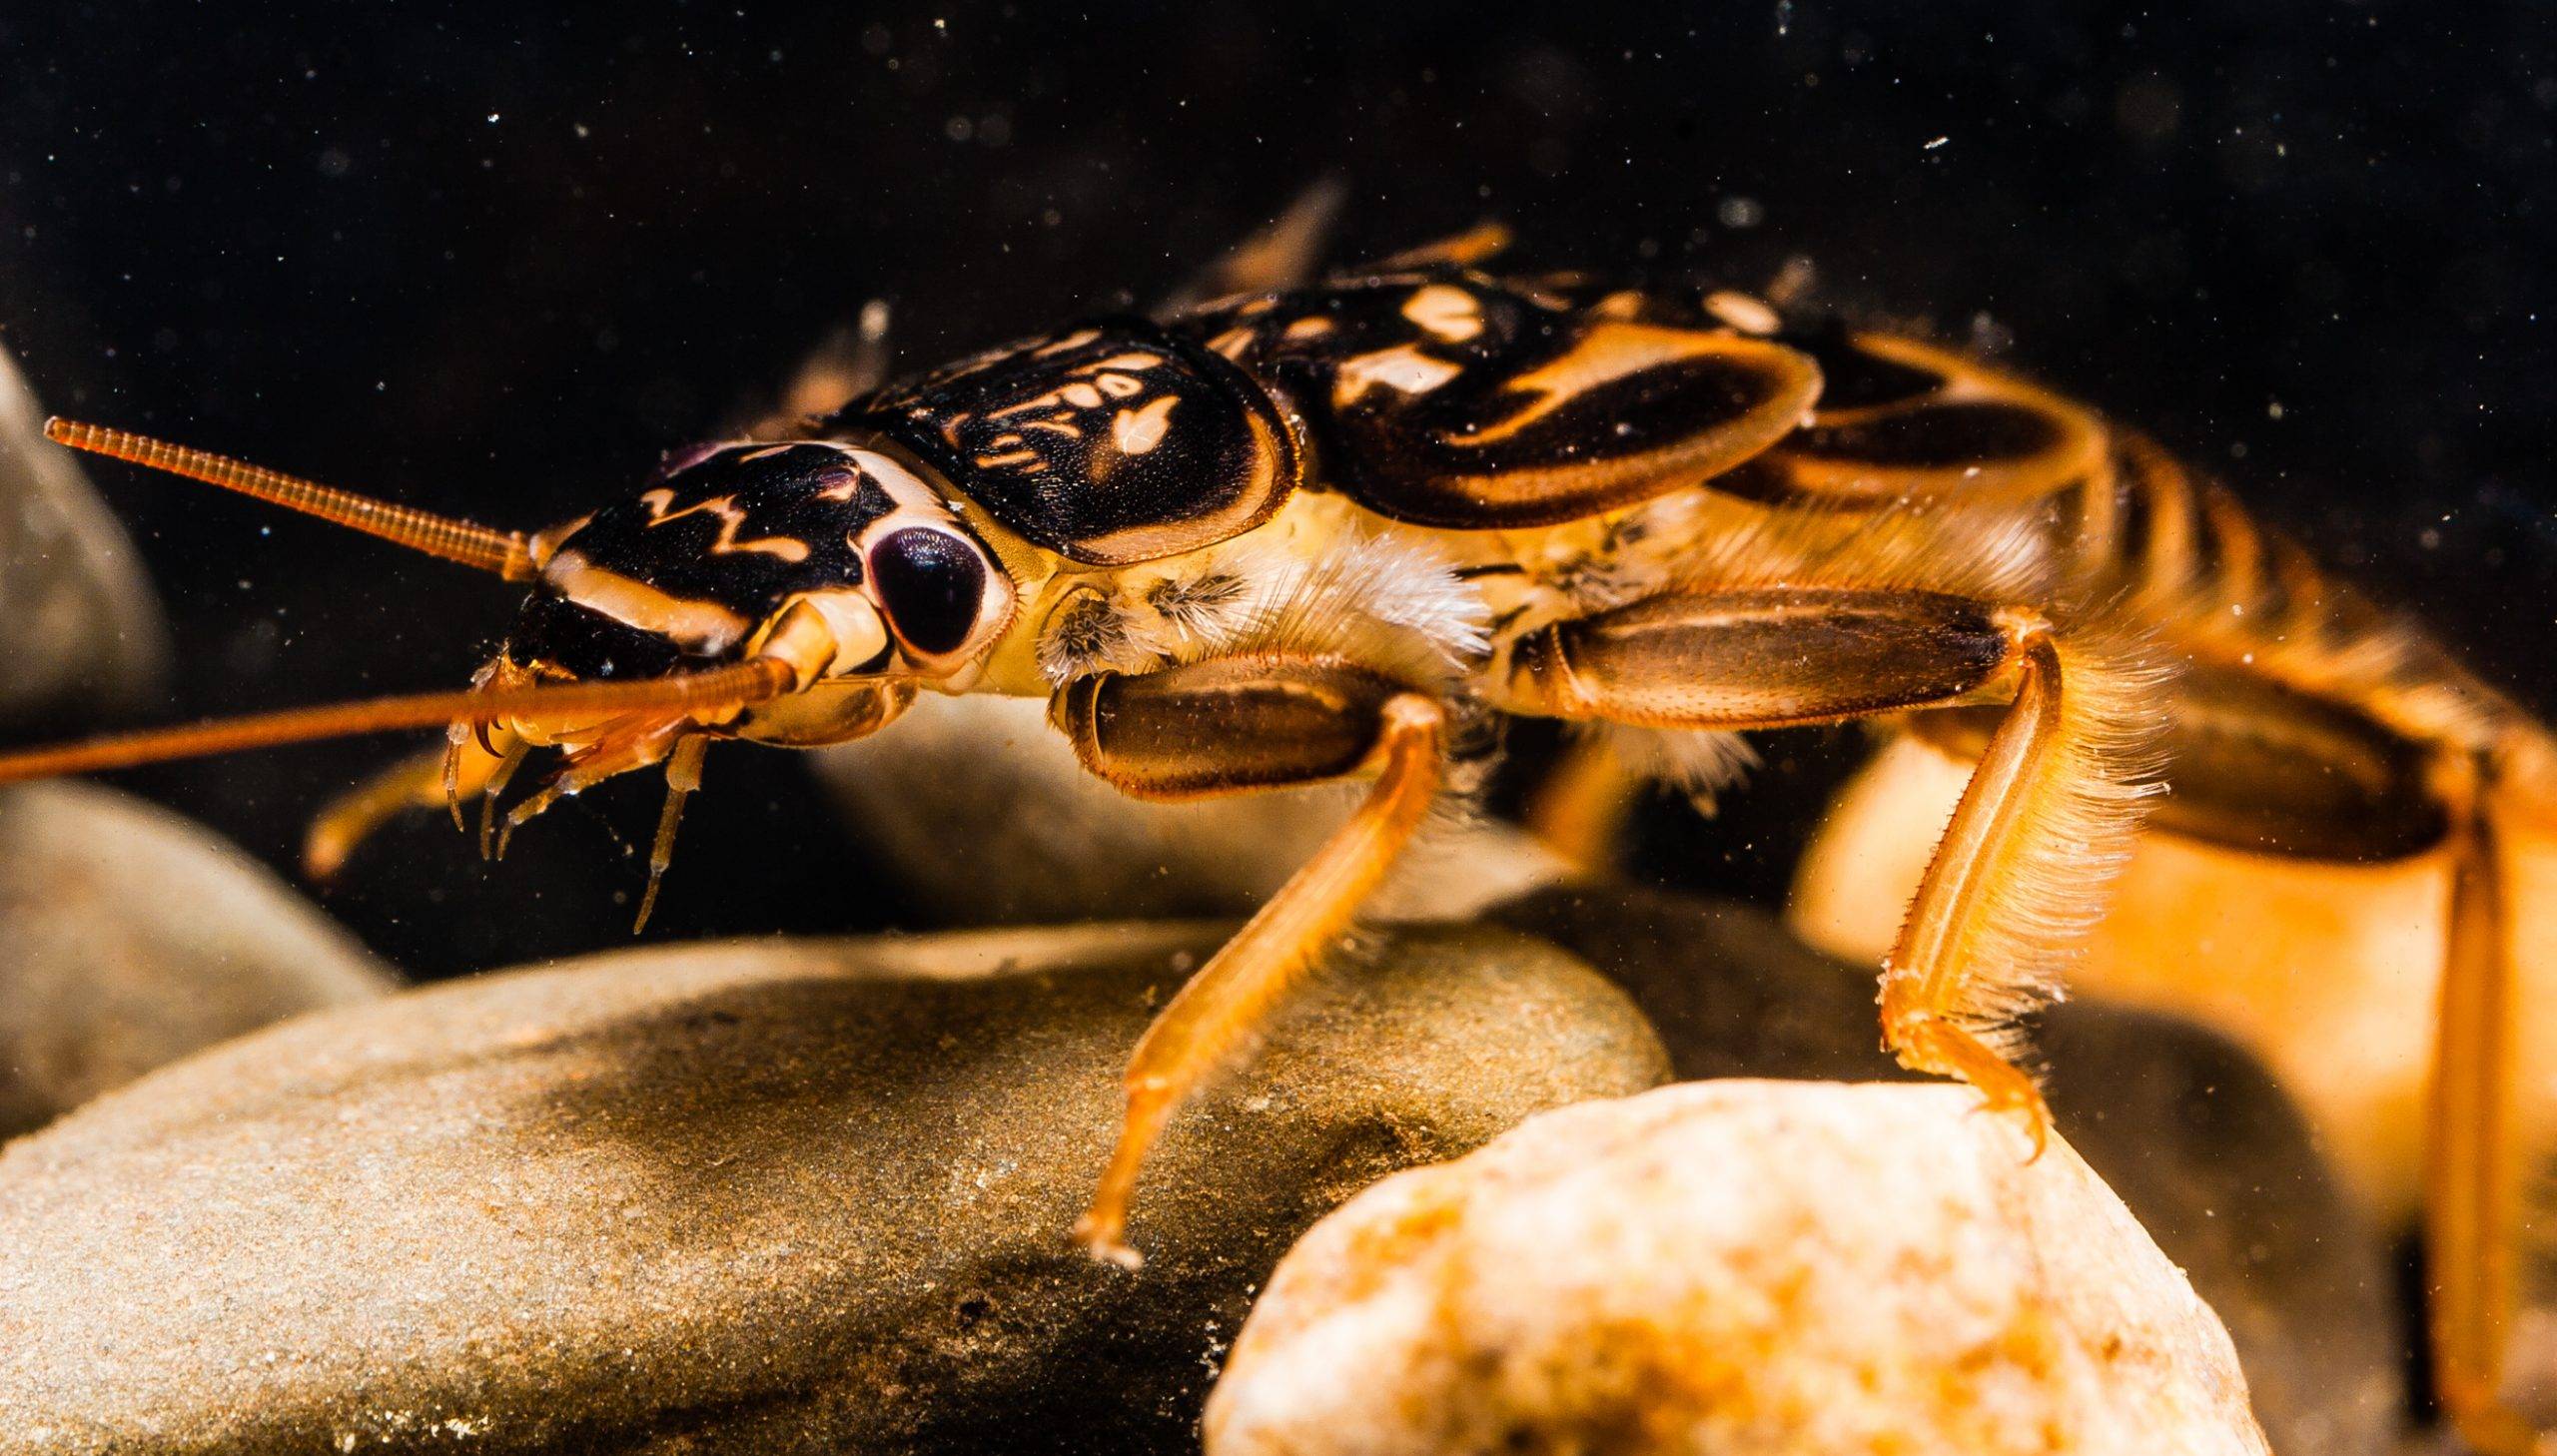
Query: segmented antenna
{"x":508,"y":553}
{"x":737,"y":685}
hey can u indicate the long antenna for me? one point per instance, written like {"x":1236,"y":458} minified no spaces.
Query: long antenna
{"x":738,"y":685}
{"x":508,"y":553}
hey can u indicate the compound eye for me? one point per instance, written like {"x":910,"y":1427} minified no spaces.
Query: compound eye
{"x":933,"y":587}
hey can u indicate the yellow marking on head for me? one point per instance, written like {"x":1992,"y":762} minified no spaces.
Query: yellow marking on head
{"x":699,"y":626}
{"x":731,"y":520}
{"x":1136,"y":431}
{"x":1450,"y":312}
{"x":1313,"y":326}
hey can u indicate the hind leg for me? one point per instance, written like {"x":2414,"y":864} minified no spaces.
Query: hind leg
{"x":2296,"y":781}
{"x":2472,"y":1172}
{"x":1582,"y":808}
{"x":2047,"y":818}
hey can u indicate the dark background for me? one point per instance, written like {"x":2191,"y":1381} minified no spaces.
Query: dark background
{"x":494,"y":263}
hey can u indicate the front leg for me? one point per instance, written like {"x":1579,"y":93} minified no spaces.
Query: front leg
{"x":1229,"y":725}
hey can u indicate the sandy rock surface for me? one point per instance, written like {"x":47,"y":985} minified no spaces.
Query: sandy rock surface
{"x":130,"y":938}
{"x":2195,"y":1136}
{"x":79,"y":628}
{"x":1741,"y":1267}
{"x":775,"y":1197}
{"x":1046,"y":842}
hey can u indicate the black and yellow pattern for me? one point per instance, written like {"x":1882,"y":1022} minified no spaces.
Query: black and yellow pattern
{"x":1900,"y":421}
{"x":1444,"y":398}
{"x":1115,"y":443}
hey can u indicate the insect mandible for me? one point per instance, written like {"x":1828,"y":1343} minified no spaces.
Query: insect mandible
{"x":1307,"y":531}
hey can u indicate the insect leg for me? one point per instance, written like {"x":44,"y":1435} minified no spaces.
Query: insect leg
{"x":1582,"y":808}
{"x":848,"y":363}
{"x":2288,"y":773}
{"x":1228,"y":726}
{"x":683,"y":777}
{"x":1477,"y":243}
{"x":415,"y":782}
{"x":490,"y":792}
{"x":1281,"y":254}
{"x":2472,"y":1188}
{"x":2045,"y":825}
{"x":1929,"y":1008}
{"x":626,"y":748}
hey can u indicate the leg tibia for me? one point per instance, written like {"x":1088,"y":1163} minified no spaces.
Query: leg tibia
{"x":1235,"y":726}
{"x":2023,"y":869}
{"x":2472,"y":1178}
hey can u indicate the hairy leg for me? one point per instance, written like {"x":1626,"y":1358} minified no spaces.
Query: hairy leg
{"x":1229,"y":726}
{"x":2048,"y":817}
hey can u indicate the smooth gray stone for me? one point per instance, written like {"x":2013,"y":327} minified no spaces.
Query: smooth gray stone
{"x":80,"y":627}
{"x":130,"y":936}
{"x":769,"y":1196}
{"x":2194,"y":1133}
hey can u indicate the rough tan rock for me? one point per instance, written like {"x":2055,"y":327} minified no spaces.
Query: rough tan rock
{"x":78,"y":626}
{"x":1788,"y":1268}
{"x":1044,"y":841}
{"x":2193,"y":1132}
{"x":130,"y":938}
{"x":757,"y":1197}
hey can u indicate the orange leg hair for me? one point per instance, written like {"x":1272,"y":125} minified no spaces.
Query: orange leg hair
{"x":2047,"y":821}
{"x":1927,"y":979}
{"x":1229,"y":726}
